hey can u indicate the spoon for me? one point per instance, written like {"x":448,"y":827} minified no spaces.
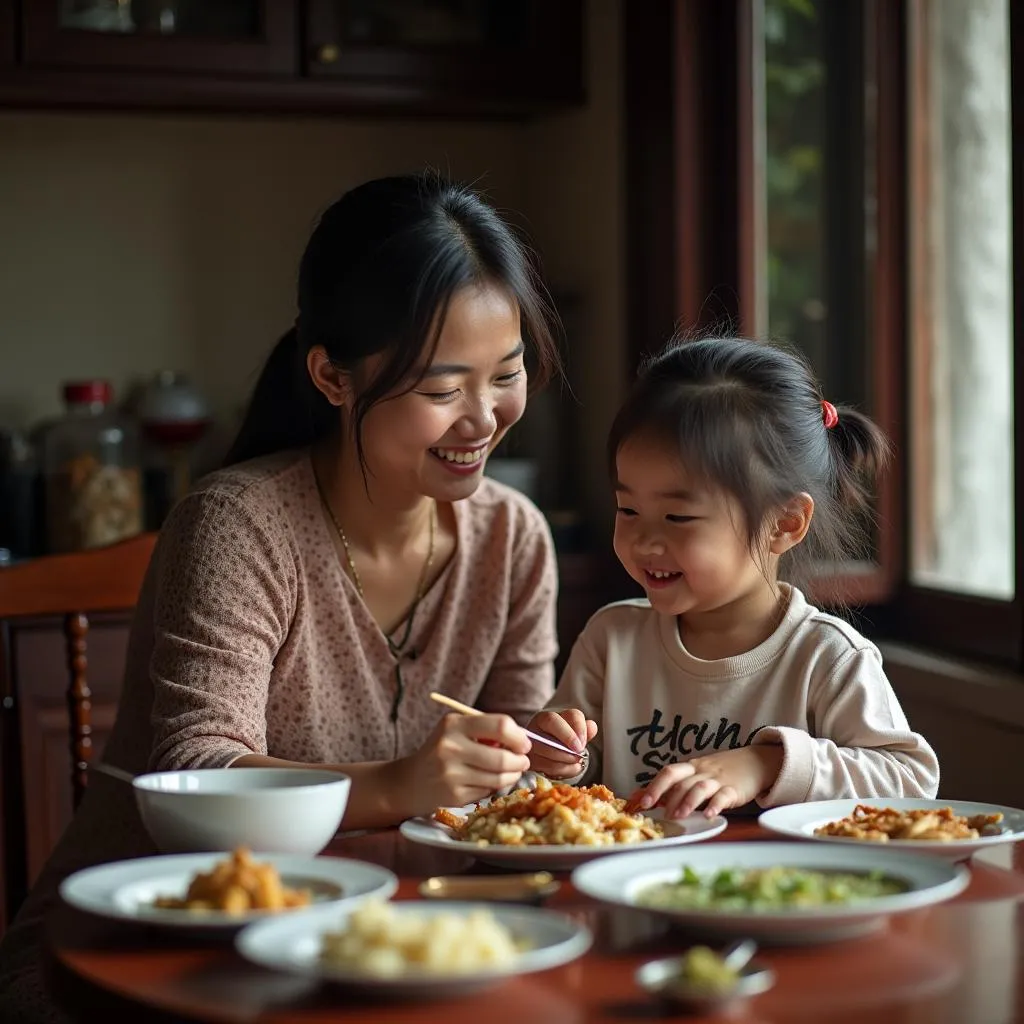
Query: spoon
{"x":664,"y":979}
{"x":528,"y":888}
{"x":113,"y":771}
{"x":738,"y":954}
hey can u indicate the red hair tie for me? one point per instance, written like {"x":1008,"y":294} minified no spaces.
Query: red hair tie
{"x":829,"y":415}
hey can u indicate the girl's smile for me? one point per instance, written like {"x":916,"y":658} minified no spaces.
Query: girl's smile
{"x":658,"y":579}
{"x":684,"y":541}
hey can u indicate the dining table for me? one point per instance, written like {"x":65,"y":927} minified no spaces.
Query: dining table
{"x":958,"y":962}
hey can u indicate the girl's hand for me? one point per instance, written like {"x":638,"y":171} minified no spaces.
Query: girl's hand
{"x":727,"y":779}
{"x":465,"y":759}
{"x":572,"y":729}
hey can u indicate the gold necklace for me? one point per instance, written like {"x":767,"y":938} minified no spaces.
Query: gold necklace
{"x":397,"y":648}
{"x":354,"y":572}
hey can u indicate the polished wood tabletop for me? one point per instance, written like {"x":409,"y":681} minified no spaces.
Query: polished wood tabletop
{"x":956,"y":963}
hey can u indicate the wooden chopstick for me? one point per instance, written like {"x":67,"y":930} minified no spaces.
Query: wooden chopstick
{"x":457,"y":705}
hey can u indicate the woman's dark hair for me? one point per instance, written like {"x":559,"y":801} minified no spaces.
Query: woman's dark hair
{"x":377,"y":276}
{"x":748,"y":417}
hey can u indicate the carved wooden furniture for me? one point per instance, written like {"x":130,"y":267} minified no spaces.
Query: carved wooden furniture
{"x":64,"y":622}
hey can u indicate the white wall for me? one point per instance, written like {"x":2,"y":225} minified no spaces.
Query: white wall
{"x":132,"y":243}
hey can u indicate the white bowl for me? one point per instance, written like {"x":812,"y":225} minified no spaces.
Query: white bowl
{"x":268,"y":810}
{"x":621,"y":878}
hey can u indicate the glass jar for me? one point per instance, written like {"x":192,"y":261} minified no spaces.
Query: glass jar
{"x":91,"y":469}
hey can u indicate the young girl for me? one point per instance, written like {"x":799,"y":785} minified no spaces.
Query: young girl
{"x":725,"y":685}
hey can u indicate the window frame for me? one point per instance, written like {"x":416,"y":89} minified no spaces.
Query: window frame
{"x":700,"y":273}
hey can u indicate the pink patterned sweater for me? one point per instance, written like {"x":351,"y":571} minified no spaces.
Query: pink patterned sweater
{"x":249,"y":637}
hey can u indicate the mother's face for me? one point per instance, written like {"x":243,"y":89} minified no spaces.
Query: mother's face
{"x":435,"y":439}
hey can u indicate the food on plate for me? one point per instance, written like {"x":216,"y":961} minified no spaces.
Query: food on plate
{"x":554,"y":814}
{"x":881,"y":824}
{"x":378,"y":939}
{"x":237,"y":885}
{"x":773,"y":888}
{"x":703,"y":970}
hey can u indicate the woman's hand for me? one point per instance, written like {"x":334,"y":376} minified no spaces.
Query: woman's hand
{"x":727,"y":779}
{"x":465,"y":759}
{"x":572,"y":729}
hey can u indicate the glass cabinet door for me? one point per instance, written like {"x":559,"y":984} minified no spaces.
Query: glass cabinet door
{"x":226,"y":19}
{"x":433,"y":23}
{"x":222,"y":36}
{"x":511,"y":49}
{"x":6,"y":33}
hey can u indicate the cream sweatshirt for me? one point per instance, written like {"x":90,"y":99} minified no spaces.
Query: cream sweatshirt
{"x":815,"y":686}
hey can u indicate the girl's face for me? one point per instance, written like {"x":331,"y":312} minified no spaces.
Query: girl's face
{"x":684,"y":542}
{"x":434,"y":440}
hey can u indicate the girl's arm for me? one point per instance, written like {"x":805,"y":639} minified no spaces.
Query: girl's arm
{"x":863,"y":748}
{"x":580,"y":689}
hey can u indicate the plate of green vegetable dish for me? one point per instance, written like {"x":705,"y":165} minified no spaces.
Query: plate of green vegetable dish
{"x":779,"y":893}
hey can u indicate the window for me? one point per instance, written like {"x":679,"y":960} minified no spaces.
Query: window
{"x":961,"y":310}
{"x":848,"y":182}
{"x":816,"y":186}
{"x":816,"y":171}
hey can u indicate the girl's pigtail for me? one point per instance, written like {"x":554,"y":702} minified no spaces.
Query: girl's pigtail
{"x":861,"y":452}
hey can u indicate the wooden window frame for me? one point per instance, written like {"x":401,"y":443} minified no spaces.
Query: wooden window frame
{"x":691,"y":233}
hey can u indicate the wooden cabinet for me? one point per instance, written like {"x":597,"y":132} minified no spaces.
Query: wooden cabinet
{"x":501,"y":53}
{"x":469,"y":58}
{"x":235,"y":37}
{"x":35,"y":749}
{"x":38,"y":664}
{"x":6,"y":33}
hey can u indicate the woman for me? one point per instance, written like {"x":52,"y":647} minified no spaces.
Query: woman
{"x":303,"y":601}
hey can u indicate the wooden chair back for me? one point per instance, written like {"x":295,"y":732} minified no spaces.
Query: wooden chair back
{"x":72,"y":586}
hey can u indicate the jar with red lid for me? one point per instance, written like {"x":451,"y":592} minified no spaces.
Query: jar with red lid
{"x":90,"y":463}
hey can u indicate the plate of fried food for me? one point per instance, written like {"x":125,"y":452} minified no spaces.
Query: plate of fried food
{"x":555,"y":826}
{"x":952,"y":829}
{"x":416,"y":948}
{"x":207,"y":891}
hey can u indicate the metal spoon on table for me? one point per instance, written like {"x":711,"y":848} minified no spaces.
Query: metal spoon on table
{"x":664,"y":978}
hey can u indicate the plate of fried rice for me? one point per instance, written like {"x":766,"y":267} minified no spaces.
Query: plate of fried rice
{"x":555,"y":826}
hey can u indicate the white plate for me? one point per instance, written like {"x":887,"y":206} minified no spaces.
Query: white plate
{"x":293,"y":944}
{"x":619,"y":880}
{"x":126,"y":889}
{"x":693,"y":829}
{"x":798,"y":821}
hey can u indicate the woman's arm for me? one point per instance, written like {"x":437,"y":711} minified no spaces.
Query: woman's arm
{"x":451,"y":769}
{"x":225,"y":594}
{"x":224,"y":598}
{"x":375,"y":801}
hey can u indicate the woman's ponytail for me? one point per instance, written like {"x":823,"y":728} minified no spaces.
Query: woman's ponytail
{"x":286,"y":409}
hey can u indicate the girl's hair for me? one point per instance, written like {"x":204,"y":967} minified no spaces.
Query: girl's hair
{"x":748,"y":417}
{"x":377,"y":276}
